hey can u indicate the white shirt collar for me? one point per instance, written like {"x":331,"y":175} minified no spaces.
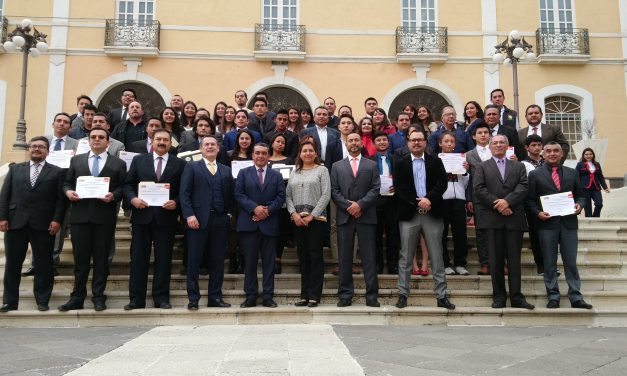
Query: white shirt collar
{"x":164,"y":156}
{"x":41,"y":164}
{"x":413,"y":157}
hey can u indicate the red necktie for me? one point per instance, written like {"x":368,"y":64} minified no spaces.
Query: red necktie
{"x":535,"y":130}
{"x":556,"y":177}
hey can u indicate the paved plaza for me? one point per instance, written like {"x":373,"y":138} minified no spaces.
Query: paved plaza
{"x":314,"y":350}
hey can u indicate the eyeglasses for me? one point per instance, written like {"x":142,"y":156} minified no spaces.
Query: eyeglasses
{"x":96,"y":137}
{"x":36,"y":147}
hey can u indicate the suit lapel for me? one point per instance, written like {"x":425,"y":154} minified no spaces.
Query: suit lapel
{"x":151,"y":167}
{"x":42,"y":174}
{"x":495,"y":169}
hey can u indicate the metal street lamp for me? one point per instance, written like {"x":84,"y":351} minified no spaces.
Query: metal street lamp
{"x":513,"y":49}
{"x":33,"y":44}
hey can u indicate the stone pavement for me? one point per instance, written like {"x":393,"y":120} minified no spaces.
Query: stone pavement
{"x":315,"y":350}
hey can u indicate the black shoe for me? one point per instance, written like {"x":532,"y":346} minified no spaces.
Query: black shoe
{"x":164,"y":305}
{"x":29,"y":272}
{"x":248,"y":303}
{"x":70,"y":306}
{"x":581,"y":304}
{"x":301,"y":303}
{"x":203,"y":271}
{"x":100,"y":306}
{"x":373,"y":303}
{"x":553,"y":304}
{"x":42,"y":307}
{"x":7,"y":308}
{"x":131,"y":306}
{"x":445,"y":303}
{"x":277,"y":267}
{"x":498,"y":305}
{"x":312,"y":304}
{"x":270,"y":303}
{"x":344,"y":302}
{"x":401,"y":302}
{"x":192,"y":306}
{"x":523,"y":305}
{"x":215,"y":303}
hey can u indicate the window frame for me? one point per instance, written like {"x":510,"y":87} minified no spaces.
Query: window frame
{"x":281,"y":6}
{"x":419,"y":23}
{"x":570,"y":122}
{"x":554,"y":24}
{"x":136,"y":14}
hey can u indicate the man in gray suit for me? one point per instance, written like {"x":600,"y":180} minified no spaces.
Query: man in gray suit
{"x":552,"y":178}
{"x":355,"y":187}
{"x":533,"y":115}
{"x":100,"y":121}
{"x":500,"y":186}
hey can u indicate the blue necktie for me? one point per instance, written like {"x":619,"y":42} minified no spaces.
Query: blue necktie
{"x":57,"y":145}
{"x":95,"y":169}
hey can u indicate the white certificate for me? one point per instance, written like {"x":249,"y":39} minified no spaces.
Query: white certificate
{"x":238,"y":165}
{"x":284,"y":169}
{"x":83,"y":146}
{"x":386,"y":183}
{"x":127,"y":157}
{"x":154,"y":194}
{"x":92,"y":187}
{"x":558,"y":204}
{"x":60,"y":158}
{"x":453,"y":162}
{"x":510,"y":151}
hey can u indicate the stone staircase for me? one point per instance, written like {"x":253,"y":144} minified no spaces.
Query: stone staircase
{"x":602,"y":253}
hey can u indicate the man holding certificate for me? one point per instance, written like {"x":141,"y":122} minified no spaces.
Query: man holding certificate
{"x":93,"y":184}
{"x":152,"y":188}
{"x":557,"y":223}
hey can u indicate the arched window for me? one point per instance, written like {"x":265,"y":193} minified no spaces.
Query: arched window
{"x":282,"y":97}
{"x":565,"y":112}
{"x":151,"y":100}
{"x":434,"y":101}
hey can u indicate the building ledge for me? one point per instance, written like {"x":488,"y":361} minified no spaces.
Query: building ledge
{"x":128,"y":51}
{"x":421,"y":57}
{"x":263,"y":55}
{"x":563,"y":58}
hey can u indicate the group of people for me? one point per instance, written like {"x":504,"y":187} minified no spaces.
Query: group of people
{"x":371,"y":187}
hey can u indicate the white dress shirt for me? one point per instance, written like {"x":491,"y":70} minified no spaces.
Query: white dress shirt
{"x":322,"y":135}
{"x":101,"y":162}
{"x":165,"y":161}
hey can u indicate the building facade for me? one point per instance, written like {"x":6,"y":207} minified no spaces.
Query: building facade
{"x":302,"y":51}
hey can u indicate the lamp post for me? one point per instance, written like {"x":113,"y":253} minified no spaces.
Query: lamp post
{"x":33,"y":44}
{"x":510,"y":52}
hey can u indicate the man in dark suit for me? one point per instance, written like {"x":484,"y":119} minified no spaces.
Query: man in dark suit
{"x":93,"y":219}
{"x":557,"y":230}
{"x":491,"y":117}
{"x":146,"y":146}
{"x":533,"y":115}
{"x":507,"y":117}
{"x":207,"y":206}
{"x":420,"y":180}
{"x":153,"y":225}
{"x":500,"y":186}
{"x":355,"y":187}
{"x":134,"y":128}
{"x":32,"y":207}
{"x":203,"y":127}
{"x":260,"y":193}
{"x":120,"y":115}
{"x":89,"y":111}
{"x":281,"y":122}
{"x":261,"y":119}
{"x":325,"y":137}
{"x":241,"y":123}
{"x":329,"y":104}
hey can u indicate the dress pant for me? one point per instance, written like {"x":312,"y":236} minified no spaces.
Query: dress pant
{"x":91,"y":243}
{"x":593,"y":195}
{"x":387,"y":222}
{"x":346,"y":244}
{"x":454,"y":215}
{"x":431,"y":228}
{"x":504,"y":244}
{"x":532,"y":221}
{"x":59,"y":239}
{"x":15,"y":246}
{"x":482,"y":248}
{"x":214,"y":237}
{"x":252,"y":244}
{"x":309,"y":245}
{"x":567,"y":240}
{"x":286,"y":231}
{"x":143,"y":238}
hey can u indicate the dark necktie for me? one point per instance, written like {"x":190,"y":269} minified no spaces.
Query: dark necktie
{"x":260,"y":174}
{"x":124,"y":112}
{"x":57,"y":145}
{"x":35,"y":174}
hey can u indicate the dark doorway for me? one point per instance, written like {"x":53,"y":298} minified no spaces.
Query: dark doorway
{"x":151,"y":100}
{"x":434,"y":101}
{"x":282,"y":97}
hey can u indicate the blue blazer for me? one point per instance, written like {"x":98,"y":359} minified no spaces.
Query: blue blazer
{"x":249,"y":195}
{"x":584,"y":176}
{"x":195,"y":197}
{"x":228,"y":142}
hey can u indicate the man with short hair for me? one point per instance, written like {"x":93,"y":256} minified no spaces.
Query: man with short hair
{"x":557,"y":231}
{"x":507,"y":117}
{"x":241,"y":99}
{"x":32,"y":208}
{"x":345,"y":109}
{"x":355,"y":185}
{"x":419,"y":183}
{"x":548,"y":133}
{"x":397,"y":140}
{"x":76,"y":120}
{"x":120,"y":114}
{"x":260,"y":119}
{"x":281,"y":121}
{"x":329,"y":104}
{"x":325,"y":137}
{"x":146,"y":146}
{"x":134,"y":128}
{"x":370,"y":104}
{"x":153,"y":226}
{"x":491,"y":117}
{"x":500,"y":187}
{"x":89,"y":110}
{"x":60,"y":139}
{"x":176,"y":102}
{"x":533,"y":145}
{"x":100,"y":122}
{"x":463,"y":142}
{"x":93,"y":219}
{"x":241,"y":122}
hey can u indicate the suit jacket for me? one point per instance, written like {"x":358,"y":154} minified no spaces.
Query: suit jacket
{"x":229,"y":139}
{"x":115,"y":146}
{"x":93,"y":210}
{"x":69,"y":144}
{"x":261,"y":126}
{"x":549,"y":133}
{"x":584,"y":176}
{"x":249,"y":195}
{"x":36,"y":206}
{"x":138,"y":147}
{"x":541,"y":184}
{"x":195,"y":145}
{"x":195,"y":195}
{"x":436,"y":184}
{"x":143,"y":169}
{"x":512,"y":139}
{"x":115,"y":117}
{"x":488,"y":186}
{"x":362,"y":189}
{"x":333,"y":136}
{"x":189,"y":136}
{"x":509,"y":118}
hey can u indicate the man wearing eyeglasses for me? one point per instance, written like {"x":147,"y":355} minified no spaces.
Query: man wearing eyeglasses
{"x":420,"y":180}
{"x":32,"y":207}
{"x":93,"y":219}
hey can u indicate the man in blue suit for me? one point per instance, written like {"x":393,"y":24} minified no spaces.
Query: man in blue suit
{"x":207,"y":204}
{"x":260,"y":193}
{"x":241,"y":122}
{"x":326,"y":138}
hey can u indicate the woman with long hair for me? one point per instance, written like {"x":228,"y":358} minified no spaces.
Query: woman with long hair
{"x":308,"y":193}
{"x":277,"y":150}
{"x":381,"y":123}
{"x":243,"y":150}
{"x":189,"y":115}
{"x":171,"y":123}
{"x":413,"y":114}
{"x":295,"y":121}
{"x":218,"y":114}
{"x":425,"y":118}
{"x":228,"y":123}
{"x":592,"y":182}
{"x":365,"y":129}
{"x":473,"y":114}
